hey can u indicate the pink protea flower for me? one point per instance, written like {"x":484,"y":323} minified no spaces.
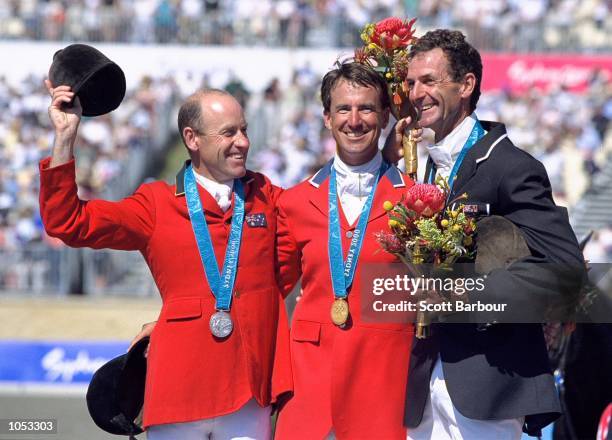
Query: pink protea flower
{"x":389,"y":242}
{"x":425,"y":199}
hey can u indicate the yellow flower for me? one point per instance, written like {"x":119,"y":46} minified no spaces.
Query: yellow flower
{"x":372,"y":46}
{"x":388,"y":75}
{"x":456,"y":228}
{"x":444,"y":223}
{"x":467,"y":241}
{"x":393,"y":223}
{"x":454,"y":214}
{"x":387,"y":206}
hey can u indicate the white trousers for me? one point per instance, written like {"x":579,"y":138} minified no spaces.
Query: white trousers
{"x":251,"y":422}
{"x":441,"y":421}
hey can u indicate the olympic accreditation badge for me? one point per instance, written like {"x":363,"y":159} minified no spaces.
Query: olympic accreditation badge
{"x":221,"y":324}
{"x":340,"y":312}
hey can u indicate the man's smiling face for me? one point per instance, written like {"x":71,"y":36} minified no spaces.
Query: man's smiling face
{"x":356,"y":120}
{"x":433,"y":92}
{"x":223,"y":143}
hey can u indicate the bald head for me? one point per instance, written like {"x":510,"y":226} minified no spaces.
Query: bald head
{"x":193,"y":112}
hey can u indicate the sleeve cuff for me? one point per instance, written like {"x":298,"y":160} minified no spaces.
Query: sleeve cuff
{"x":45,"y":165}
{"x":59,"y":177}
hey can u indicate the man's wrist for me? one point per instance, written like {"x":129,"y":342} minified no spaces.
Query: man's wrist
{"x":60,"y":156}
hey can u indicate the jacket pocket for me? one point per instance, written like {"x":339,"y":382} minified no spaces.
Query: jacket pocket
{"x":183,"y":309}
{"x":306,"y":331}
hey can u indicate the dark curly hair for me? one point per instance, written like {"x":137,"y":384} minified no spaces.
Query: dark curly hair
{"x":462,"y":57}
{"x":357,"y":74}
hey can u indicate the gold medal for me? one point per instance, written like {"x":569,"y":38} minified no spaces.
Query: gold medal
{"x":340,"y":312}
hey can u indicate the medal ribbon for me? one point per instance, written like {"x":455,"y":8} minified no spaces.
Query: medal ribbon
{"x":343,"y":272}
{"x":221,"y":284}
{"x":475,"y":135}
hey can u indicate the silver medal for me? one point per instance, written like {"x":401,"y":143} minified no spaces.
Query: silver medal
{"x":221,"y":324}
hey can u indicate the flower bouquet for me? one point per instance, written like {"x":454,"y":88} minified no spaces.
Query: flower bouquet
{"x":423,"y":231}
{"x":386,"y":48}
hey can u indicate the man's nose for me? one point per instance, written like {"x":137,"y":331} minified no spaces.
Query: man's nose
{"x":242,"y":140}
{"x":354,"y":118}
{"x":417,"y":92}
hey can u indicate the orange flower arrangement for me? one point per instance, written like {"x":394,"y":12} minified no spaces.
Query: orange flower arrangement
{"x":386,"y":51}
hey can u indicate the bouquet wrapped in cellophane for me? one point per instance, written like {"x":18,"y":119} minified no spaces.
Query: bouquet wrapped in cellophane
{"x":424,"y":232}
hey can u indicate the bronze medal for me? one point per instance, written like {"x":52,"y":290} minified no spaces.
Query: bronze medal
{"x":340,"y":312}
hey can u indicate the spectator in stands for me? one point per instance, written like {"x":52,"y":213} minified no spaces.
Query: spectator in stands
{"x":266,"y":118}
{"x":165,"y":22}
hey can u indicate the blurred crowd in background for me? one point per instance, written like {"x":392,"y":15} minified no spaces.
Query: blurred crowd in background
{"x":569,"y":132}
{"x":516,"y":25}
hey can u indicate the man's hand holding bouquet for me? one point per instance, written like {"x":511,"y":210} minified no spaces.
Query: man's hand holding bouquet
{"x":428,"y":236}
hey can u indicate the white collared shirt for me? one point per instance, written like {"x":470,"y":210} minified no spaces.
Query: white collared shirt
{"x":445,"y":152}
{"x":354,"y":184}
{"x":220,"y":191}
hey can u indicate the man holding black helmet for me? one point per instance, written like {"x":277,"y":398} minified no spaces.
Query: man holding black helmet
{"x":220,"y":333}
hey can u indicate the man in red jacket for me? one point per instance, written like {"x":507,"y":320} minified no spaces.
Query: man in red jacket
{"x":349,"y":374}
{"x":209,"y":242}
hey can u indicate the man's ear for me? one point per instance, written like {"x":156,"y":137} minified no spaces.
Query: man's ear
{"x":191,"y":139}
{"x":327,"y":120}
{"x":469,"y":84}
{"x":385,"y":117}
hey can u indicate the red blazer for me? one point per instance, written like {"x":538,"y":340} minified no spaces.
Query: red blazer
{"x":352,"y":380}
{"x":191,"y":375}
